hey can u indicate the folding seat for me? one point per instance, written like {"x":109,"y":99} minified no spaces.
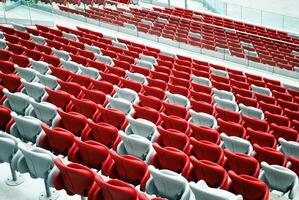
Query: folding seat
{"x":175,"y":110}
{"x":226,"y":104}
{"x":178,"y":99}
{"x":236,"y":144}
{"x":241,"y":163}
{"x":96,"y":96}
{"x":261,"y":138}
{"x":202,"y":191}
{"x":251,"y":112}
{"x":127,"y":94}
{"x":279,"y":178}
{"x":202,"y":119}
{"x":5,"y":55}
{"x":74,"y":178}
{"x":207,"y":150}
{"x":287,"y":133}
{"x":7,"y":67}
{"x":265,"y":98}
{"x":71,"y":88}
{"x":86,"y":107}
{"x":60,"y":99}
{"x":136,"y":77}
{"x":135,"y":145}
{"x":168,"y":184}
{"x":17,"y":102}
{"x":9,"y":147}
{"x":151,"y":102}
{"x":38,"y":163}
{"x":34,"y":90}
{"x":213,"y":174}
{"x":154,"y":92}
{"x":27,"y":74}
{"x":241,"y":85}
{"x":156,"y":83}
{"x":292,"y":115}
{"x":277,"y":119}
{"x":170,"y":158}
{"x":282,"y":95}
{"x":61,"y":73}
{"x":179,"y":90}
{"x":256,"y":124}
{"x":53,"y":60}
{"x":269,"y":155}
{"x":288,"y":105}
{"x":231,"y":128}
{"x":15,"y":48}
{"x":201,"y":96}
{"x":111,"y":78}
{"x":173,"y":138}
{"x":289,"y":148}
{"x":119,"y":104}
{"x":247,"y":101}
{"x":48,"y":80}
{"x":201,"y":80}
{"x":40,"y":66}
{"x":249,"y":187}
{"x":6,"y":119}
{"x":294,"y":164}
{"x":11,"y":82}
{"x":270,"y":108}
{"x":261,"y":90}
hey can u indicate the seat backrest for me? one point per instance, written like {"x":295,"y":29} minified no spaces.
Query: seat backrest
{"x":18,"y":102}
{"x":126,"y":94}
{"x":269,"y":155}
{"x":205,"y":133}
{"x":26,"y":73}
{"x":177,"y":99}
{"x":5,"y":117}
{"x":174,"y":122}
{"x":59,"y":98}
{"x":141,"y":127}
{"x":231,"y":128}
{"x":251,"y":111}
{"x":72,"y":121}
{"x":8,"y":146}
{"x":236,"y":144}
{"x":173,"y":138}
{"x":223,"y":94}
{"x":48,"y":80}
{"x":44,"y":111}
{"x":34,"y":90}
{"x":287,"y":133}
{"x":120,"y":104}
{"x":261,"y":138}
{"x":113,"y":117}
{"x":289,"y":147}
{"x":84,"y":106}
{"x":203,"y":119}
{"x":226,"y":104}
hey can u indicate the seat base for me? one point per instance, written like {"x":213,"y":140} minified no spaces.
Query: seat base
{"x":19,"y":181}
{"x":54,"y":195}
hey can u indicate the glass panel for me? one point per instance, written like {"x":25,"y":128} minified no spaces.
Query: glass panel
{"x":196,"y":5}
{"x":177,"y":3}
{"x":291,"y":24}
{"x":272,"y":20}
{"x":234,"y":11}
{"x":251,"y":15}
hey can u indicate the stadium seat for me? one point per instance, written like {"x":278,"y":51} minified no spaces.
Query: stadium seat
{"x":287,"y":133}
{"x":261,"y":138}
{"x":289,"y":148}
{"x":231,"y":128}
{"x":6,"y":119}
{"x":236,"y":144}
{"x":269,"y":155}
{"x":202,"y":119}
{"x":17,"y":102}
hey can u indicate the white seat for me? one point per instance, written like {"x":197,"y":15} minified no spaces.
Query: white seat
{"x":48,"y":80}
{"x":3,"y":44}
{"x":120,"y":104}
{"x":177,"y":99}
{"x":226,"y":104}
{"x":289,"y":147}
{"x":61,"y":54}
{"x":251,"y":111}
{"x":140,"y":78}
{"x":39,"y":66}
{"x":90,"y":71}
{"x":201,"y":80}
{"x":261,"y":90}
{"x":105,"y":59}
{"x":35,"y":90}
{"x":236,"y":144}
{"x":38,"y":39}
{"x":202,"y":119}
{"x":17,"y":102}
{"x":222,"y":94}
{"x":126,"y":93}
{"x":19,"y":27}
{"x":70,"y":65}
{"x":70,"y":36}
{"x":27,"y":74}
{"x":147,"y":58}
{"x":94,"y":49}
{"x":119,"y":45}
{"x":143,"y":63}
{"x":219,"y":72}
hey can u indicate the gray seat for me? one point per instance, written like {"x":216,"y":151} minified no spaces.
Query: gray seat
{"x":289,"y":147}
{"x":26,"y":73}
{"x":90,"y":71}
{"x":145,"y":64}
{"x":142,"y":127}
{"x":48,"y":80}
{"x":70,"y":36}
{"x":177,"y":99}
{"x":201,"y":80}
{"x":3,"y":44}
{"x":120,"y":104}
{"x":94,"y":49}
{"x":70,"y":65}
{"x":226,"y":104}
{"x":40,"y":66}
{"x":44,"y":111}
{"x":61,"y":54}
{"x":35,"y":90}
{"x":147,"y":58}
{"x":279,"y":178}
{"x":147,"y":22}
{"x":202,"y":119}
{"x":168,"y":184}
{"x":19,"y":27}
{"x":26,"y":128}
{"x":219,"y":72}
{"x":251,"y":111}
{"x":38,"y":39}
{"x":125,"y":93}
{"x":119,"y":45}
{"x":135,"y":145}
{"x":140,"y":78}
{"x":261,"y":90}
{"x":17,"y":102}
{"x":105,"y":59}
{"x":222,"y":94}
{"x":38,"y":163}
{"x":8,"y":148}
{"x":236,"y":144}
{"x":202,"y":191}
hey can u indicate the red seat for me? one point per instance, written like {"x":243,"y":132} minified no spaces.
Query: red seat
{"x":294,"y":164}
{"x":2,"y":96}
{"x":174,"y":122}
{"x":201,"y":96}
{"x":113,"y":117}
{"x":173,"y":138}
{"x":206,"y":150}
{"x":171,"y":159}
{"x":12,"y":82}
{"x":114,"y":189}
{"x":270,"y":108}
{"x":231,"y":128}
{"x":282,"y":95}
{"x":96,"y":96}
{"x":103,"y":133}
{"x":15,"y":48}
{"x":150,"y":101}
{"x":82,"y":80}
{"x":265,"y":98}
{"x":131,"y":84}
{"x":205,"y":133}
{"x":111,"y":78}
{"x":287,"y":133}
{"x":56,"y":139}
{"x":127,"y":168}
{"x":213,"y":174}
{"x":247,"y":101}
{"x":293,"y":115}
{"x":249,"y":187}
{"x":5,"y":55}
{"x":61,"y":73}
{"x":147,"y":113}
{"x":287,"y":104}
{"x":74,"y":122}
{"x":261,"y":138}
{"x":71,"y":88}
{"x":90,"y":153}
{"x":155,"y":92}
{"x":241,"y":163}
{"x":269,"y":155}
{"x":156,"y":83}
{"x":53,"y":60}
{"x":59,"y":98}
{"x":175,"y":110}
{"x":228,"y":115}
{"x":6,"y":120}
{"x":103,"y":86}
{"x":74,"y":178}
{"x":201,"y":106}
{"x":86,"y":107}
{"x":7,"y":67}
{"x":256,"y":124}
{"x":178,"y":90}
{"x":277,"y":119}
